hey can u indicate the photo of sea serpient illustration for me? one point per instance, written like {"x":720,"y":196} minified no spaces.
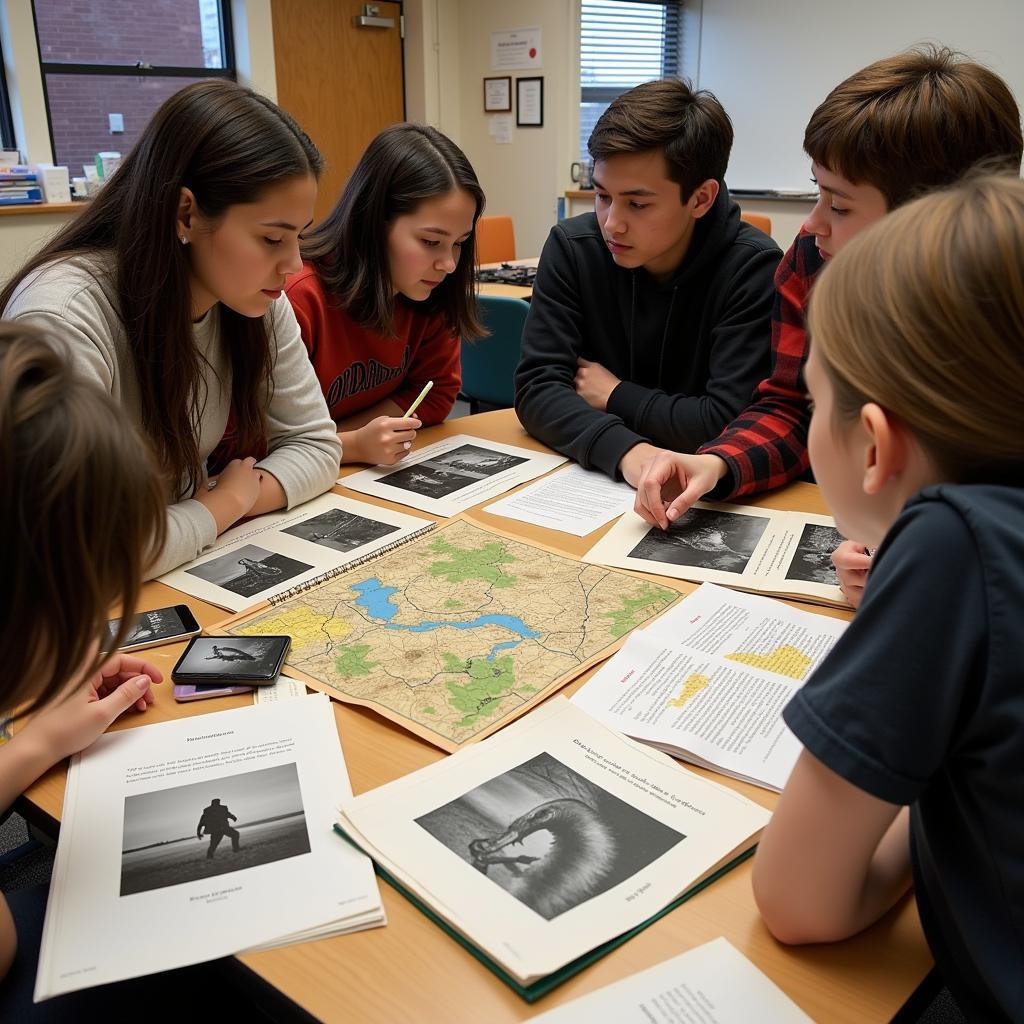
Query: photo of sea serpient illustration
{"x":444,"y":474}
{"x":707,"y":538}
{"x":340,"y":530}
{"x":549,"y":836}
{"x":249,"y":570}
{"x":812,"y":560}
{"x":186,"y":833}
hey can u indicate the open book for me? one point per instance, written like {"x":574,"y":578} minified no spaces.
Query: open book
{"x":713,"y":984}
{"x":179,"y":839}
{"x":275,"y":553}
{"x":787,"y":554}
{"x":546,"y":845}
{"x":707,"y":682}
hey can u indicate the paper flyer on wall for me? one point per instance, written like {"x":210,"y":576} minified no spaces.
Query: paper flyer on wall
{"x":713,"y":984}
{"x":178,"y":840}
{"x":275,"y":553}
{"x":787,"y":554}
{"x":454,"y":474}
{"x":551,"y":837}
{"x":707,"y":682}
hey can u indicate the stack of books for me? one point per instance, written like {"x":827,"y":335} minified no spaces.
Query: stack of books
{"x":19,"y":186}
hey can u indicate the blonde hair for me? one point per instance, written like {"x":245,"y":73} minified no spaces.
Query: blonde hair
{"x":923,"y":313}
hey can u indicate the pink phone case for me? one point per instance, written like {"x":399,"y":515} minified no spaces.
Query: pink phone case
{"x":189,"y":691}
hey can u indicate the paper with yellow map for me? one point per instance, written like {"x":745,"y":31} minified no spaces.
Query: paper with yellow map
{"x":708,"y":681}
{"x":455,"y":633}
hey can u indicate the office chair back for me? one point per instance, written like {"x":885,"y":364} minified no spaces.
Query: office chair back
{"x":757,"y":220}
{"x":495,"y":240}
{"x":489,"y":364}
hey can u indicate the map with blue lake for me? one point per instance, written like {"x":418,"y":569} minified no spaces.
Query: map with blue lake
{"x":456,"y":633}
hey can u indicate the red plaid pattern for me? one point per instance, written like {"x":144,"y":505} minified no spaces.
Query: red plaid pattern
{"x":766,"y":445}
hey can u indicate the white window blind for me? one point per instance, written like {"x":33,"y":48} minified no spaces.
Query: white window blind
{"x":621,"y":45}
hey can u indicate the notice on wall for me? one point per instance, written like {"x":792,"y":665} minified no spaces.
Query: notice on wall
{"x":516,"y":48}
{"x":499,"y":127}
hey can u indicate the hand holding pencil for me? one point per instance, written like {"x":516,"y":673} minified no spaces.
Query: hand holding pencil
{"x":385,"y":440}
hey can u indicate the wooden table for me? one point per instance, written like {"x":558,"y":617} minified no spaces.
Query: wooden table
{"x":411,"y":971}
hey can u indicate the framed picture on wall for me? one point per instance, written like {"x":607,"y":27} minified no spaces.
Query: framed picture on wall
{"x":498,"y":95}
{"x":530,"y":102}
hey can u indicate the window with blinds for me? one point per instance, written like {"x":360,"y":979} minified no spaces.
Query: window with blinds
{"x":621,"y":45}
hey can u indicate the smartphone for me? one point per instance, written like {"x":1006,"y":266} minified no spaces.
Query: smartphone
{"x":150,"y":629}
{"x":189,"y":691}
{"x":218,"y":660}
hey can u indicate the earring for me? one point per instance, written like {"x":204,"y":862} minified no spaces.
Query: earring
{"x":183,"y":240}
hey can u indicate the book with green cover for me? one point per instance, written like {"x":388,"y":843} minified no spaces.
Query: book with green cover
{"x":551,"y":843}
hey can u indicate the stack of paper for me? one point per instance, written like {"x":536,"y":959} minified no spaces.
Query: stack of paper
{"x":199,"y":838}
{"x":707,"y":682}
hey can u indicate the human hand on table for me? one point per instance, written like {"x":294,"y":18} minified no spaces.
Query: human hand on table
{"x":382,"y":442}
{"x":69,"y":724}
{"x":671,"y":482}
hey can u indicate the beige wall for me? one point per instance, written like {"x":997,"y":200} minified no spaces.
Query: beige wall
{"x":448,"y":54}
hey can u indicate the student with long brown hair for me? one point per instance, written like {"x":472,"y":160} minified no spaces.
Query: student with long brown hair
{"x":169,"y":288}
{"x":81,"y":512}
{"x":916,"y":374}
{"x":387,"y":291}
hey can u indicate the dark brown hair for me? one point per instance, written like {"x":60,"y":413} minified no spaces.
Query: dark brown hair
{"x":228,"y":145}
{"x":82,"y":513}
{"x":914,"y":122}
{"x":691,"y":128}
{"x":403,"y":165}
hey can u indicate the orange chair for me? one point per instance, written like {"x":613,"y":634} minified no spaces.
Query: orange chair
{"x":757,"y":220}
{"x":495,"y":240}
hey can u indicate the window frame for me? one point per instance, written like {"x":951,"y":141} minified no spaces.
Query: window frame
{"x":7,"y":140}
{"x":676,"y":11}
{"x":138,"y":70}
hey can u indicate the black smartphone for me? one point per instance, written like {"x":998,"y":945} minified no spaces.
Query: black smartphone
{"x":150,"y":629}
{"x":252,"y":660}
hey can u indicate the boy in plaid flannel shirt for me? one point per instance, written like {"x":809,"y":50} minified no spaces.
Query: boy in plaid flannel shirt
{"x":895,"y":129}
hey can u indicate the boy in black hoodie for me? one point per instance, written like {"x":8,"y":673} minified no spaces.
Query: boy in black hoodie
{"x":650,"y":318}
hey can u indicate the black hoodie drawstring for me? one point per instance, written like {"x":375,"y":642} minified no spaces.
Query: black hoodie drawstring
{"x":664,"y":334}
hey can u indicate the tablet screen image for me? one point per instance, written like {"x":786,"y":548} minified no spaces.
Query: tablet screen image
{"x":213,"y":659}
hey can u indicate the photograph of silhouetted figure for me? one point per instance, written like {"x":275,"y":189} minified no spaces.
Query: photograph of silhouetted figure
{"x":259,"y":810}
{"x":214,"y":822}
{"x":249,"y":570}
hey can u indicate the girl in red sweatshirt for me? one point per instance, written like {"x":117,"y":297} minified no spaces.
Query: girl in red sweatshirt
{"x":386,"y":291}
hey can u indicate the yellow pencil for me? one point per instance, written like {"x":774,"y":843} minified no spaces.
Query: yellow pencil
{"x":419,"y":398}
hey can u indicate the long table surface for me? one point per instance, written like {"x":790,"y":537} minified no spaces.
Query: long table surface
{"x":411,"y":971}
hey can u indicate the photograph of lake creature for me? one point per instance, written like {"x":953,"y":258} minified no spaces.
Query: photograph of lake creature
{"x":548,"y":836}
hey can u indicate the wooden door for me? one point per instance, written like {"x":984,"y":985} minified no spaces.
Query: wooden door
{"x":343,"y":84}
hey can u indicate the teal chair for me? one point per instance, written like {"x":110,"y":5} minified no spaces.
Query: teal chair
{"x":489,"y":363}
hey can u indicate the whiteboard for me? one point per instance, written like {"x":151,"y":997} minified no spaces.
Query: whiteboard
{"x":771,"y":62}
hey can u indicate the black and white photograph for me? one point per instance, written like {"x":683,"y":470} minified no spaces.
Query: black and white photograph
{"x":187,"y":833}
{"x":812,"y":561}
{"x":450,"y":472}
{"x":340,"y":530}
{"x":149,"y":626}
{"x":249,"y":570}
{"x":549,"y":836}
{"x":256,"y":656}
{"x":706,"y":538}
